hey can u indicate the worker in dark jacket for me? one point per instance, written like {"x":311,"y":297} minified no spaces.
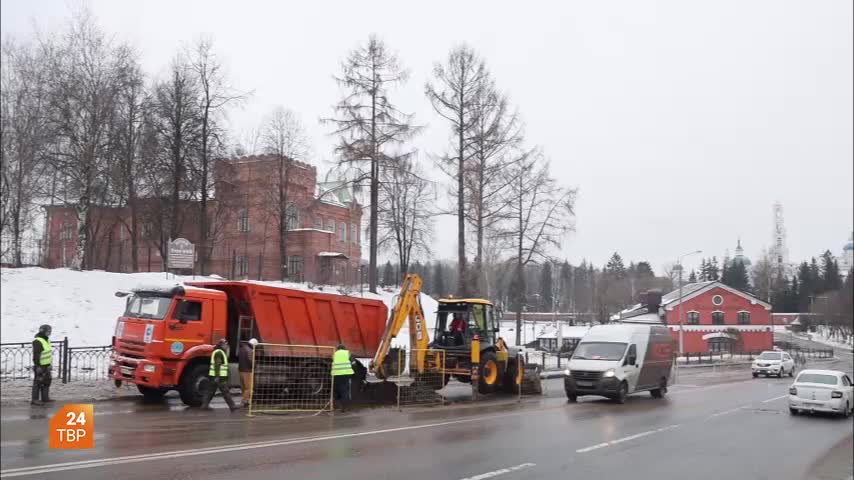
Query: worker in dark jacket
{"x":42,"y":358}
{"x":342,"y":374}
{"x":218,"y":376}
{"x":244,"y":366}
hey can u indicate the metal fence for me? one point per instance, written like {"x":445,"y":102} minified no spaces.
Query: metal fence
{"x":69,"y":363}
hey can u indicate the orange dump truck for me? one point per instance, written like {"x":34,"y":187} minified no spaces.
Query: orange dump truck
{"x":164,"y":339}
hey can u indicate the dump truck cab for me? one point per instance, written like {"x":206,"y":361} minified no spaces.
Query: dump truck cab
{"x":162,"y":331}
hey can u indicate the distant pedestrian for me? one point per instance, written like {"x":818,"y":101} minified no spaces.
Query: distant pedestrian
{"x":244,"y":366}
{"x":42,"y":358}
{"x":218,"y":376}
{"x":342,"y":374}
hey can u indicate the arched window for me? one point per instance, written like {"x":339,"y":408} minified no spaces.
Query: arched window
{"x":693,"y":318}
{"x":744,"y":318}
{"x":292,"y":217}
{"x":342,"y":232}
{"x":717,"y":318}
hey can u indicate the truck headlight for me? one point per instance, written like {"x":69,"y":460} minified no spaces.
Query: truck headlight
{"x":610,"y":373}
{"x":148,"y":368}
{"x":566,"y":372}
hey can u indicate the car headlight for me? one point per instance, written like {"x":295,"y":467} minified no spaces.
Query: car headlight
{"x":793,"y":391}
{"x":148,"y":368}
{"x":566,"y":372}
{"x":610,"y":373}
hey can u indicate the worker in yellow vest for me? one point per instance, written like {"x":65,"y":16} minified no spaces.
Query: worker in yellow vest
{"x":218,"y":376}
{"x":42,"y":359}
{"x":342,"y":374}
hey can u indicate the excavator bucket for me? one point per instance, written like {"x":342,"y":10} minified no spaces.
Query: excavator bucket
{"x":531,"y":382}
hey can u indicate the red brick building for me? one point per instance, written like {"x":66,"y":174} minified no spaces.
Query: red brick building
{"x":323,"y":228}
{"x":715,"y":318}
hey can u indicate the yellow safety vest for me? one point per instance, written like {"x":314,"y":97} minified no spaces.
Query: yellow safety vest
{"x":223,"y":367}
{"x":341,"y":363}
{"x":45,"y":358}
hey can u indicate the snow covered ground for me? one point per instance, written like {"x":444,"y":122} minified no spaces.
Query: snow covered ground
{"x":83,"y":305}
{"x":823,"y":335}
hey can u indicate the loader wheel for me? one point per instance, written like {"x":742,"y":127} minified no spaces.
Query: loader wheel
{"x":194,"y":384}
{"x":488,"y":373}
{"x":513,"y":375}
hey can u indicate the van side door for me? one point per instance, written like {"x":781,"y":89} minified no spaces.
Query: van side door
{"x":631,"y":367}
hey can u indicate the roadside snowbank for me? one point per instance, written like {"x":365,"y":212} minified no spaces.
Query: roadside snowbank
{"x":83,"y":305}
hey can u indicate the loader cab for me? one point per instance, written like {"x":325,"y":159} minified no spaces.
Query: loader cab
{"x":459,"y":320}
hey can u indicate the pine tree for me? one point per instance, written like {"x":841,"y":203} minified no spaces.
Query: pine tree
{"x":644,"y":269}
{"x":439,"y":281}
{"x":388,"y":275}
{"x":693,"y":277}
{"x":615,"y":266}
{"x":736,"y":277}
{"x":830,"y":278}
{"x":704,"y":270}
{"x":546,"y":294}
{"x":714,"y":271}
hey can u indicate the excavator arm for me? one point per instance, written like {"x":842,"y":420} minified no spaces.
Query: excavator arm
{"x":407,"y":307}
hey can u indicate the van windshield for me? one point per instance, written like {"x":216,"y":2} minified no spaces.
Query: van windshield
{"x":154,"y":308}
{"x":599,"y":351}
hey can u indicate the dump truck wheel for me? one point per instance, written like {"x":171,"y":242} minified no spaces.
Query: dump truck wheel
{"x":151,"y":394}
{"x":194,"y":384}
{"x":488,"y":373}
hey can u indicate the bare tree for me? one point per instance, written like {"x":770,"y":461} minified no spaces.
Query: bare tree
{"x":178,"y":121}
{"x":284,"y":138}
{"x":454,"y":94}
{"x":85,"y":76}
{"x":214,"y":95}
{"x":496,"y":140}
{"x":368,"y":124}
{"x":542,"y":213}
{"x":23,"y":143}
{"x":405,"y":212}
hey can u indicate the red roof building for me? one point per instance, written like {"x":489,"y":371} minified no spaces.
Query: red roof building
{"x":715,"y":318}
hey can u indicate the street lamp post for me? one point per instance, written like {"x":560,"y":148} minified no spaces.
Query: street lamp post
{"x":681,"y":318}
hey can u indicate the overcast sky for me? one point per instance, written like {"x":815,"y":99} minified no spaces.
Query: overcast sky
{"x":681,"y":123}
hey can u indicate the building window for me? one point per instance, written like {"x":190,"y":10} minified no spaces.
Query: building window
{"x":342,"y":232}
{"x":292,"y":217}
{"x":718,"y":345}
{"x":65,"y":231}
{"x":717,"y":318}
{"x":243,"y":220}
{"x":693,"y":318}
{"x":318,"y":223}
{"x":330,"y":225}
{"x":295,"y":267}
{"x":744,"y":318}
{"x":354,"y":235}
{"x":717,"y":300}
{"x":242,"y":267}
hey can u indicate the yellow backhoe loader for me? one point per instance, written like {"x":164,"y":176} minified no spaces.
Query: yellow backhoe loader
{"x":466,"y":341}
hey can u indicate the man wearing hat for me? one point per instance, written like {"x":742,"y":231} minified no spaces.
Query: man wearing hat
{"x":42,"y":358}
{"x":218,"y":376}
{"x":244,"y":366}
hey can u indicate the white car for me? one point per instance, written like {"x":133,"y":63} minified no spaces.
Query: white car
{"x":773,"y":363}
{"x":821,"y":391}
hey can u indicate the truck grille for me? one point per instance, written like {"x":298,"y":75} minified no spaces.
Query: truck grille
{"x":585,"y":375}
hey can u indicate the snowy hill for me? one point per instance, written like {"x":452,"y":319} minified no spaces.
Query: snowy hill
{"x":83,"y":307}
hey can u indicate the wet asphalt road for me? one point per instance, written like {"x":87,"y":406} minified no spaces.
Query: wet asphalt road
{"x":714,"y":425}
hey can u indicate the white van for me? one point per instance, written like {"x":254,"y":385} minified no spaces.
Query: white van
{"x":619,"y":359}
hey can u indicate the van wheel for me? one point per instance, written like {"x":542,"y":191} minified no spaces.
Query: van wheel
{"x":571,"y":398}
{"x":194,"y":384}
{"x":661,"y":391}
{"x":755,"y":374}
{"x":622,"y":393}
{"x":488,"y":372}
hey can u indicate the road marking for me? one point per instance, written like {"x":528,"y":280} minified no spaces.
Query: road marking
{"x":79,"y":465}
{"x":496,"y":473}
{"x":727,"y":412}
{"x":775,"y":398}
{"x":625,"y":439}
